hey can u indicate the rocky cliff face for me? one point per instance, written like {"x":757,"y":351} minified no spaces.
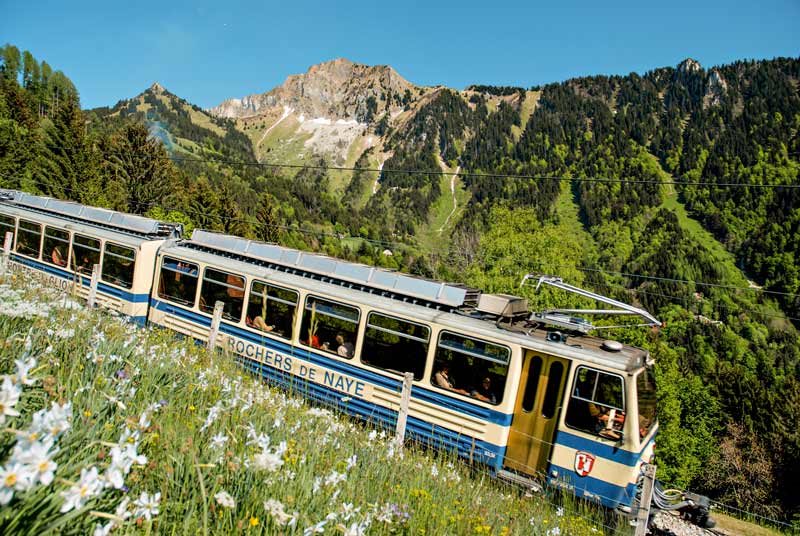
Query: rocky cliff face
{"x":334,"y":90}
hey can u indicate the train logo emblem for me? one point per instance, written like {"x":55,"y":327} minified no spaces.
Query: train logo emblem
{"x":583,"y":463}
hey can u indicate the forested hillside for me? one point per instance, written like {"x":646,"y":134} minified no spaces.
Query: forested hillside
{"x":667,"y":190}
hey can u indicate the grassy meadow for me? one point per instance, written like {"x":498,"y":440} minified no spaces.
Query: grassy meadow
{"x":112,"y":429}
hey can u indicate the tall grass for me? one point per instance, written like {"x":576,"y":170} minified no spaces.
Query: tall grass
{"x":183,"y":442}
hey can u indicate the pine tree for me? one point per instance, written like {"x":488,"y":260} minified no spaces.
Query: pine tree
{"x":142,"y":166}
{"x":67,"y":162}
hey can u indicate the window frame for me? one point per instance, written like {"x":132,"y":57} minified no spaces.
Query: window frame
{"x":48,"y":258}
{"x":356,"y":323}
{"x":20,"y":221}
{"x":210,"y":311}
{"x":573,"y":387}
{"x":13,"y":227}
{"x":426,"y":342}
{"x":187,"y":273}
{"x":266,"y":284}
{"x":499,"y":394}
{"x":107,"y":253}
{"x":73,"y":256}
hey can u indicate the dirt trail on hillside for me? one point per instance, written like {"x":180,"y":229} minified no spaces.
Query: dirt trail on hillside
{"x":455,"y":202}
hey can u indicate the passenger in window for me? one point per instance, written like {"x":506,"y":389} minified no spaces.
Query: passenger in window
{"x":601,"y":416}
{"x":443,"y":380}
{"x":236,"y":289}
{"x":259,"y":323}
{"x":484,"y":392}
{"x":57,"y":257}
{"x":345,"y":348}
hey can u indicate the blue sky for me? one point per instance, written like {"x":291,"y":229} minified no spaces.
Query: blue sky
{"x":206,"y":52}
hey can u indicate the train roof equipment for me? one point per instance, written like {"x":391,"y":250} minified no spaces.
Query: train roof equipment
{"x":101,"y":217}
{"x":563,"y":317}
{"x":389,"y":283}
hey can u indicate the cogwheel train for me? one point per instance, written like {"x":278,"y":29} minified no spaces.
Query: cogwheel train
{"x":531,"y":396}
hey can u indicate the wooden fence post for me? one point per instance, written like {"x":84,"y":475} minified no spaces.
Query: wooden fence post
{"x":402,"y":415}
{"x":643,"y":514}
{"x":93,"y":286}
{"x":6,"y":251}
{"x":215,"y":320}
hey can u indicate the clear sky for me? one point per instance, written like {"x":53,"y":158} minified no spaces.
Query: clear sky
{"x":207,"y":52}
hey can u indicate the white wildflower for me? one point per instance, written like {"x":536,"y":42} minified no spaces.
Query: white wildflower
{"x":560,"y":511}
{"x":334,"y":478}
{"x":218,"y":441}
{"x":14,"y":477}
{"x":319,"y":528}
{"x":356,"y":529}
{"x":348,"y":511}
{"x":38,"y":456}
{"x":23,"y":369}
{"x":103,"y":530}
{"x":267,"y":461}
{"x":225,"y":500}
{"x":147,"y":505}
{"x":372,"y":435}
{"x":434,"y":471}
{"x":351,"y":462}
{"x":77,"y":495}
{"x":9,"y":397}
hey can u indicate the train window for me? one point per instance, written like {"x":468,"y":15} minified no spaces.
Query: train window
{"x":330,"y":326}
{"x":118,"y":263}
{"x":532,"y":383}
{"x":56,"y":246}
{"x":395,"y":345}
{"x":178,"y":281}
{"x":471,"y":367}
{"x":646,"y":400}
{"x":29,"y":238}
{"x":271,"y":309}
{"x":551,"y":393}
{"x":224,"y":287}
{"x":85,"y":253}
{"x":597,"y":403}
{"x":7,"y":225}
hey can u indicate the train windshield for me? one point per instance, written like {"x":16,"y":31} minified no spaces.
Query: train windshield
{"x":646,"y":396}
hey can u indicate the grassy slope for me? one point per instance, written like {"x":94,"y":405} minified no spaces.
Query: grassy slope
{"x":284,"y":143}
{"x":175,"y":399}
{"x":528,"y":107}
{"x":434,"y":235}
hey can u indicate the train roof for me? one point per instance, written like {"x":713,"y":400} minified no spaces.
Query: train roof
{"x":101,"y":218}
{"x":464,"y":318}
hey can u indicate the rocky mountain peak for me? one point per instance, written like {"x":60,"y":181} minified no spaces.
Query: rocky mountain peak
{"x":689,"y":66}
{"x":337,"y":90}
{"x":157,"y":88}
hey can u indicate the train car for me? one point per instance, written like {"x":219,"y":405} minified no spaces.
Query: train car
{"x":61,"y":241}
{"x":530,"y":396}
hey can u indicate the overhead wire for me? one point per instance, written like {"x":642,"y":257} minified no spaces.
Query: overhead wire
{"x":470,"y":174}
{"x":401,"y":245}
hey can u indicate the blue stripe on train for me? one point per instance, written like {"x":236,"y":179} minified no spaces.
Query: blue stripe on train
{"x":416,"y":429}
{"x":101,"y":287}
{"x":599,"y":449}
{"x":590,"y":488}
{"x":420,"y":393}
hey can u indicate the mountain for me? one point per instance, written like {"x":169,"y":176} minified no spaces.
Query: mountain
{"x":675,"y":190}
{"x":182,"y":127}
{"x":330,"y":110}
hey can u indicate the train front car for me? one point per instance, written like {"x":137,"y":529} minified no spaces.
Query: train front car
{"x":61,"y":241}
{"x":606,"y":431}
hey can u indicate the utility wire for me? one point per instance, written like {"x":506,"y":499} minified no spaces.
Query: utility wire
{"x":401,"y":245}
{"x":279,"y":165}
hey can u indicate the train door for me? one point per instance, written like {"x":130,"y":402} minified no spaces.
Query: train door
{"x":536,"y":412}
